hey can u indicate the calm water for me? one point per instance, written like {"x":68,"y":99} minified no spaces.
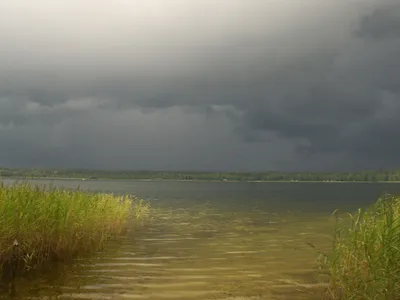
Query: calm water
{"x":210,"y":241}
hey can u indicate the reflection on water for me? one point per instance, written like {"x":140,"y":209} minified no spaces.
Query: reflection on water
{"x":239,"y":249}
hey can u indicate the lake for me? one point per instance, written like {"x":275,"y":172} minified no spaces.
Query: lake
{"x":209,"y":240}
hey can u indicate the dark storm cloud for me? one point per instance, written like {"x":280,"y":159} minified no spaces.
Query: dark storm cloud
{"x":243,"y":85}
{"x":383,"y":23}
{"x":349,"y":101}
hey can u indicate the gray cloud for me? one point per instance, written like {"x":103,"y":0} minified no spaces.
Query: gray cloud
{"x":235,"y":85}
{"x":383,"y":23}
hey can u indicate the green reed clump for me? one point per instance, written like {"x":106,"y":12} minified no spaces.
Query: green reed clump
{"x":50,"y":223}
{"x":365,"y":262}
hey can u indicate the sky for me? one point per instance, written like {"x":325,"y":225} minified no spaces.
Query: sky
{"x":211,"y":85}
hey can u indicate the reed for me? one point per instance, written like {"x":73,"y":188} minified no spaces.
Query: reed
{"x":365,"y":261}
{"x":38,"y":224}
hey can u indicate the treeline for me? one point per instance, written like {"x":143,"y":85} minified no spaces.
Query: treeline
{"x":393,"y":175}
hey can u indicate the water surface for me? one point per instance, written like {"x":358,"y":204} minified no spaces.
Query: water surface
{"x":210,"y":241}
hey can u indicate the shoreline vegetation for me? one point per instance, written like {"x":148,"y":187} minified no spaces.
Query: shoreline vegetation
{"x":364,"y":262}
{"x":62,"y":174}
{"x":41,"y":224}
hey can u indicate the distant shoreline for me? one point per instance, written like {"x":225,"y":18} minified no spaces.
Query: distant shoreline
{"x":183,"y":180}
{"x":376,"y":176}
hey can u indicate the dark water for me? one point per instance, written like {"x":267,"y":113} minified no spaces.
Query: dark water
{"x":210,"y":241}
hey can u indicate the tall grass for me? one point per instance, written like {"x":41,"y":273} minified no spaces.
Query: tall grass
{"x":365,"y":261}
{"x":38,"y":223}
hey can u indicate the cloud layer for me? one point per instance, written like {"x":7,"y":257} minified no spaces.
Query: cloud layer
{"x":209,"y":85}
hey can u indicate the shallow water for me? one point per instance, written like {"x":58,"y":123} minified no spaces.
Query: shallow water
{"x":210,"y":241}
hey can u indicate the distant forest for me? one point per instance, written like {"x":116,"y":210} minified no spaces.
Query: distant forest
{"x":361,"y":176}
